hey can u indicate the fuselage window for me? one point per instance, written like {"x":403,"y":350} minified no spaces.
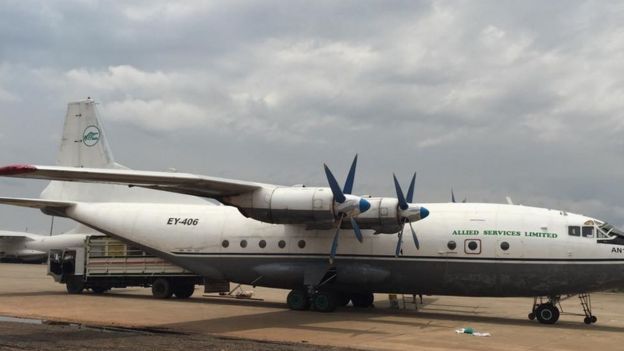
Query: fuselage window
{"x":588,"y":232}
{"x":243,"y":243}
{"x":574,"y":230}
{"x":504,"y":246}
{"x":301,"y":244}
{"x":473,"y":245}
{"x":225,"y":243}
{"x":262,"y":244}
{"x":451,"y":245}
{"x":281,"y":244}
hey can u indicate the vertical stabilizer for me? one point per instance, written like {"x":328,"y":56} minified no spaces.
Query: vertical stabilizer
{"x":84,"y":143}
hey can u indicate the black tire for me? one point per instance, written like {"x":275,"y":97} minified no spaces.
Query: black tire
{"x":298,"y":300}
{"x":183,"y":291}
{"x":587,"y":320}
{"x":325,"y":301}
{"x":532,"y":316}
{"x":162,"y":289}
{"x":547,"y":313}
{"x":594,"y":319}
{"x":74,"y":285}
{"x":99,"y":289}
{"x":362,"y":300}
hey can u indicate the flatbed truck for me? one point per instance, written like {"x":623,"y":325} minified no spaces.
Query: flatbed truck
{"x":103,"y":263}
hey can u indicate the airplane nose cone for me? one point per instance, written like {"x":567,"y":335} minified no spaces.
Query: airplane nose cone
{"x":424,"y":213}
{"x":364,"y":205}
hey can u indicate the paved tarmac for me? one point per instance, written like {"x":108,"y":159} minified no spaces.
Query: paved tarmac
{"x":27,"y":292}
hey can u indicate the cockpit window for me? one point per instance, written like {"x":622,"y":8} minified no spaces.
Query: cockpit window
{"x":574,"y":230}
{"x":588,"y":232}
{"x":608,"y":230}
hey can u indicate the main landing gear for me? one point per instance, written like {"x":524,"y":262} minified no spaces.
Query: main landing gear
{"x":326,"y":300}
{"x":548,"y":310}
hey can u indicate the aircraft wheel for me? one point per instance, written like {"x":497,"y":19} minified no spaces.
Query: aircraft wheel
{"x":587,"y":320}
{"x":298,"y":300}
{"x":547,"y":313}
{"x":362,"y":300}
{"x":532,"y":316}
{"x":162,"y":289}
{"x":74,"y":286}
{"x":183,"y":291}
{"x":594,"y":319}
{"x":325,"y":301}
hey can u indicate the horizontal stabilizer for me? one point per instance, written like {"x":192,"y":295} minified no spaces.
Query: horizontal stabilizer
{"x":15,"y":236}
{"x":183,"y":183}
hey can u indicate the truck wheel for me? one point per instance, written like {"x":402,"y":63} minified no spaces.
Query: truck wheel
{"x":74,"y":286}
{"x":184,"y":291}
{"x":161,"y":288}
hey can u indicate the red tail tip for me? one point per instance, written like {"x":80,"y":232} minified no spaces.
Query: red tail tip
{"x":16,"y":169}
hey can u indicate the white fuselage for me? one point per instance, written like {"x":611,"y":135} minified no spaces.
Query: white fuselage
{"x":499,"y":250}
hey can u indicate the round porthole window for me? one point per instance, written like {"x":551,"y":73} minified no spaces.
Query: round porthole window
{"x":243,"y":243}
{"x":281,"y":244}
{"x":451,"y":245}
{"x":504,"y":246}
{"x":262,"y":244}
{"x":301,"y":244}
{"x":473,"y":245}
{"x":225,"y":243}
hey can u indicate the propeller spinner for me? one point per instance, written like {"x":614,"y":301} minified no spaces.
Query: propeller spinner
{"x":408,"y":212}
{"x":346,"y":205}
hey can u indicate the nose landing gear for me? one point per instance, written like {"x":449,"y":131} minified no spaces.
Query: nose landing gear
{"x":545,"y":310}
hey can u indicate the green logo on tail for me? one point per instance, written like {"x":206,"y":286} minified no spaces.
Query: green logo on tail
{"x":91,"y":135}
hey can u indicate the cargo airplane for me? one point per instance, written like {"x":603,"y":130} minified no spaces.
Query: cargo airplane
{"x":28,"y":247}
{"x":289,"y":237}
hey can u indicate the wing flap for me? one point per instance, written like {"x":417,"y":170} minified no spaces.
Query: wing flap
{"x":183,"y":183}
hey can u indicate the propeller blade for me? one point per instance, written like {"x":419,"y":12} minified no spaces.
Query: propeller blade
{"x":356,"y":229}
{"x":402,"y":203}
{"x":414,"y":236}
{"x":333,"y":184}
{"x":348,"y":187}
{"x":410,"y":191}
{"x":334,"y":246}
{"x":398,"y":247}
{"x":452,"y":196}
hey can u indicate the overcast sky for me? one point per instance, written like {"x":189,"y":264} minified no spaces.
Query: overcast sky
{"x":493,"y":98}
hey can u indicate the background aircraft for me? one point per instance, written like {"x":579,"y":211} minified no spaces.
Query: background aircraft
{"x":29,"y":247}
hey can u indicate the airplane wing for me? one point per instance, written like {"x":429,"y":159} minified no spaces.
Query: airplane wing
{"x":183,"y":183}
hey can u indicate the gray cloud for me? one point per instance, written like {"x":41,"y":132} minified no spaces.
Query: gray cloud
{"x":491,"y":97}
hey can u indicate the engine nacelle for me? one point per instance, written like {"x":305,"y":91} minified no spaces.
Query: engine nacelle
{"x":312,"y":207}
{"x":292,"y":205}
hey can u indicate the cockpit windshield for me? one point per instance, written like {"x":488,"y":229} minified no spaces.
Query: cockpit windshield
{"x":610,"y":230}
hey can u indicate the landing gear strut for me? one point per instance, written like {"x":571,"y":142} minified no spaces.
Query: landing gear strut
{"x":547,"y":312}
{"x":586,"y":304}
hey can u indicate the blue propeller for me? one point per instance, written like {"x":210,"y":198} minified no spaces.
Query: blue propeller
{"x":407,"y":212}
{"x":346,"y":205}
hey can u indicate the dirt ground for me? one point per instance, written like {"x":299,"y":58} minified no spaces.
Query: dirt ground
{"x":218,"y":323}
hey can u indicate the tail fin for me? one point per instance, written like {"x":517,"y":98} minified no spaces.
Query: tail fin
{"x":84,"y":143}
